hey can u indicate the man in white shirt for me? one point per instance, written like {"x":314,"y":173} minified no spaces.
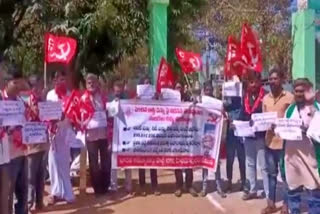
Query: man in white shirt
{"x":59,"y":153}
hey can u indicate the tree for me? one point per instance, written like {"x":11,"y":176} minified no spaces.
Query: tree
{"x":271,"y":19}
{"x":106,"y":30}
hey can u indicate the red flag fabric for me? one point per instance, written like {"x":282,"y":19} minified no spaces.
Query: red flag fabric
{"x":78,"y":111}
{"x":233,"y":61}
{"x":59,"y":48}
{"x":189,"y":61}
{"x":165,"y":76}
{"x":250,"y":47}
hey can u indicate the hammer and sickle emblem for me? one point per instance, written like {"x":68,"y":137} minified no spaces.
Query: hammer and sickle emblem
{"x":63,"y":52}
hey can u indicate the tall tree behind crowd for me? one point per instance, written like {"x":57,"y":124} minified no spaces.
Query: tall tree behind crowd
{"x":271,"y":19}
{"x":106,"y":30}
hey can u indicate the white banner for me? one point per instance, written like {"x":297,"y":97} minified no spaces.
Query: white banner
{"x":50,"y":110}
{"x":158,"y":134}
{"x":98,"y":120}
{"x":35,"y":132}
{"x":263,"y":121}
{"x":12,"y":113}
{"x":289,"y":129}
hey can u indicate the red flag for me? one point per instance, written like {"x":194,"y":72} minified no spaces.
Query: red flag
{"x":250,"y":47}
{"x":189,"y":61}
{"x":233,"y":61}
{"x":165,"y":76}
{"x":78,"y":111}
{"x":59,"y":48}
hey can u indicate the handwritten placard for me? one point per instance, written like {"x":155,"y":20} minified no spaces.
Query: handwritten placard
{"x":50,"y":110}
{"x":313,"y":130}
{"x":243,"y":129}
{"x":232,"y":89}
{"x":12,"y":113}
{"x":4,"y":150}
{"x":212,"y":102}
{"x":146,"y":92}
{"x":34,"y":132}
{"x":171,"y":95}
{"x":263,"y":121}
{"x":99,"y":120}
{"x":289,"y":129}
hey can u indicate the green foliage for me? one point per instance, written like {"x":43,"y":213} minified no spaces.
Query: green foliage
{"x":106,"y":30}
{"x":271,"y":19}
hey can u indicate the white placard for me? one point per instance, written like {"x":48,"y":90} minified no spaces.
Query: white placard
{"x":289,"y":129}
{"x":171,"y":95}
{"x":212,"y":102}
{"x":146,"y":92}
{"x":50,"y":110}
{"x":314,"y":127}
{"x":12,"y":113}
{"x":98,"y":120}
{"x":4,"y":150}
{"x":232,"y":89}
{"x":113,"y":108}
{"x":243,"y":129}
{"x":263,"y":121}
{"x":34,"y":132}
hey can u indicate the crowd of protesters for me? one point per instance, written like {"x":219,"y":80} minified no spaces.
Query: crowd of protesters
{"x":22,"y":176}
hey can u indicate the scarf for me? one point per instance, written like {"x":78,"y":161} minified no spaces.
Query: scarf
{"x":32,"y":110}
{"x":250,"y":109}
{"x":61,"y":90}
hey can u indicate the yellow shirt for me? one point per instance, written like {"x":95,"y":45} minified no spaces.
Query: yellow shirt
{"x":276,"y":104}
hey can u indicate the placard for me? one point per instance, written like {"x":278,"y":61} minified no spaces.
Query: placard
{"x":50,"y":110}
{"x":314,"y":127}
{"x":146,"y":92}
{"x":4,"y":150}
{"x":263,"y":121}
{"x":212,"y":102}
{"x":166,"y":135}
{"x":232,"y":89}
{"x":170,"y":95}
{"x":243,"y":129}
{"x":34,"y":133}
{"x":98,"y":120}
{"x":12,"y":113}
{"x":289,"y":129}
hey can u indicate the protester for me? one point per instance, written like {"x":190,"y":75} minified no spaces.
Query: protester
{"x":234,"y":146}
{"x":96,"y":138}
{"x":276,"y":101}
{"x":59,"y":153}
{"x":17,"y":167}
{"x":189,"y":172}
{"x":254,"y":146}
{"x":301,"y":158}
{"x":5,"y":181}
{"x":208,"y":91}
{"x":153,"y":172}
{"x":117,"y":94}
{"x":37,"y":153}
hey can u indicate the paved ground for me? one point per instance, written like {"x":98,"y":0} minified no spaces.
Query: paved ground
{"x":167,"y":203}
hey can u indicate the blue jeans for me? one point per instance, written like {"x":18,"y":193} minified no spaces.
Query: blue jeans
{"x":205,"y":180}
{"x":273,"y":159}
{"x":18,"y":172}
{"x":234,"y":146}
{"x":294,"y":201}
{"x":255,"y":155}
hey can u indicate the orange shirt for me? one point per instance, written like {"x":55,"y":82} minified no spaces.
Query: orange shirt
{"x":276,"y":104}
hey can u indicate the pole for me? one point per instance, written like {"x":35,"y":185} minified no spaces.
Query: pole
{"x":45,"y":75}
{"x":187,"y":80}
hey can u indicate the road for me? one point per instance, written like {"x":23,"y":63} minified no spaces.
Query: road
{"x":167,"y":203}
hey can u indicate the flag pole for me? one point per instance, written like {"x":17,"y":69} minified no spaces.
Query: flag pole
{"x":45,"y":74}
{"x":187,"y":80}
